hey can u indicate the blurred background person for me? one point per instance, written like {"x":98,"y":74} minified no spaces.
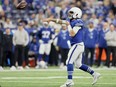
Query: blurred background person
{"x":32,"y":20}
{"x":8,"y":23}
{"x":113,"y":6}
{"x":102,"y":45}
{"x":111,"y":18}
{"x":34,"y":49}
{"x":111,"y":43}
{"x":26,"y":48}
{"x":90,"y":41}
{"x":45,"y":34}
{"x":63,"y":42}
{"x":1,"y":48}
{"x":63,"y":11}
{"x":8,"y":48}
{"x":20,"y":40}
{"x":95,"y":19}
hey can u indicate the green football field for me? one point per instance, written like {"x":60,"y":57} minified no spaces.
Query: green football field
{"x":54,"y":77}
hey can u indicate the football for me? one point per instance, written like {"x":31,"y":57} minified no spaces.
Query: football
{"x":21,"y":5}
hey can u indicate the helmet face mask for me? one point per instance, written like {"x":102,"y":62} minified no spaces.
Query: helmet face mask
{"x":70,"y":14}
{"x":74,"y":13}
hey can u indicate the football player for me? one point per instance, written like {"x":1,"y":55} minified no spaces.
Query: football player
{"x":75,"y":28}
{"x":45,"y":35}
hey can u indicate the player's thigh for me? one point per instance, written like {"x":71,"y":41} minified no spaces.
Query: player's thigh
{"x":42,"y":49}
{"x":74,"y":53}
{"x":69,"y":53}
{"x":78,"y":61}
{"x":47,"y":49}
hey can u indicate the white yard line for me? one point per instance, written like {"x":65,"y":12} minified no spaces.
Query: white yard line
{"x":36,"y":82}
{"x":51,"y":77}
{"x":25,"y":70}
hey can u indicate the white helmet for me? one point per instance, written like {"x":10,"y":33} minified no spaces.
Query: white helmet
{"x":74,"y":12}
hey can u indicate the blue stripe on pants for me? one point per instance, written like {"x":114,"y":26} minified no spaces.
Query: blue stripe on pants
{"x":72,"y":54}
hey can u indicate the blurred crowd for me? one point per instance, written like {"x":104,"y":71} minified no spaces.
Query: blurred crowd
{"x":21,"y":33}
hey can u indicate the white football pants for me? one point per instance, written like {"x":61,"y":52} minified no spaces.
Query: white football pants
{"x":75,"y":54}
{"x":45,"y":48}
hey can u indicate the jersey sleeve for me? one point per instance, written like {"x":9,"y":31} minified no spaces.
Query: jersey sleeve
{"x":79,"y":23}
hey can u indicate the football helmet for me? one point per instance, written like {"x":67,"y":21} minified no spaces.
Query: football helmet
{"x":74,"y":12}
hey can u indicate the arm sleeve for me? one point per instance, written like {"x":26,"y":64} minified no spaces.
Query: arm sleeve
{"x":108,"y":36}
{"x":115,"y":36}
{"x":75,"y":29}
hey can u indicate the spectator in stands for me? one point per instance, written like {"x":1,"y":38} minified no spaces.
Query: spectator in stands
{"x":95,"y":19}
{"x":8,"y":48}
{"x":1,"y":48}
{"x":102,"y":41}
{"x":41,"y":16}
{"x":111,"y":43}
{"x":2,"y":18}
{"x":99,"y":10}
{"x":100,"y":23}
{"x":48,"y":13}
{"x":1,"y":9}
{"x":63,"y":12}
{"x":90,"y":40}
{"x":7,"y":6}
{"x":107,"y":7}
{"x":30,"y":4}
{"x":32,"y":20}
{"x":63,"y":41}
{"x":20,"y":40}
{"x":113,"y":6}
{"x":111,"y":18}
{"x":8,"y":23}
{"x":85,"y":19}
{"x":51,"y":6}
